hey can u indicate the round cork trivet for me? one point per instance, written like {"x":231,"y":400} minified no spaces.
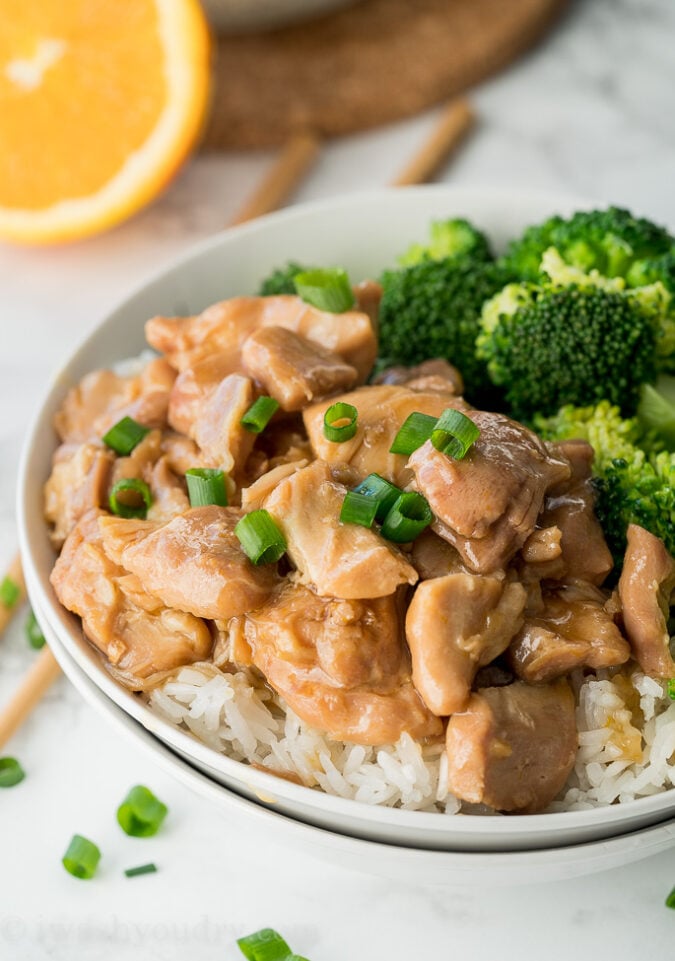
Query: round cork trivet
{"x":367,"y":64}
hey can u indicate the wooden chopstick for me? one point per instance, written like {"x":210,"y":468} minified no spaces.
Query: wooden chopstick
{"x":455,"y":122}
{"x":14,"y":574}
{"x":36,"y":681}
{"x":297,"y":157}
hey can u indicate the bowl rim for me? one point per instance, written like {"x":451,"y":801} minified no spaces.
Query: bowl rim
{"x":638,"y":844}
{"x":91,"y":662}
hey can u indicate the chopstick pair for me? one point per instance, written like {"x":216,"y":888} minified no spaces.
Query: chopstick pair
{"x":295,"y":160}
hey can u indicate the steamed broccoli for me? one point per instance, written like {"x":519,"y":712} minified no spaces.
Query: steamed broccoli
{"x":656,"y":413}
{"x":633,"y":486}
{"x":449,"y":240}
{"x":281,"y":280}
{"x":432,"y":309}
{"x":611,"y":241}
{"x":578,"y":343}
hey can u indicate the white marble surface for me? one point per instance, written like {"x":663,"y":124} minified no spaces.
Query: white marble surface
{"x":590,"y":112}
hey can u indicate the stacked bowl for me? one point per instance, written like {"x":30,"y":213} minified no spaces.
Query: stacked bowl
{"x":363,"y":233}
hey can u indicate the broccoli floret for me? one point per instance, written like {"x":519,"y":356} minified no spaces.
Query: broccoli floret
{"x":656,"y":413}
{"x":633,"y":486}
{"x":449,"y":240}
{"x":660,"y":270}
{"x":432,"y":309}
{"x":577,"y":344}
{"x":281,"y":280}
{"x":611,"y":241}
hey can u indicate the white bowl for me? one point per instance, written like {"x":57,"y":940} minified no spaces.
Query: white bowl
{"x":398,"y":863}
{"x":364,"y":233}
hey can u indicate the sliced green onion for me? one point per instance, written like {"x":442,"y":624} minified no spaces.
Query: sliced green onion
{"x":383,"y":493}
{"x":264,"y":945}
{"x":259,"y":414}
{"x":82,"y":857}
{"x":141,"y":500}
{"x":141,"y":869}
{"x":36,"y":638}
{"x":206,"y":486}
{"x":358,"y":509}
{"x":671,"y":689}
{"x":409,"y":516}
{"x":340,"y":422}
{"x":414,"y":432}
{"x":454,"y":433}
{"x":140,"y":814}
{"x":125,"y":435}
{"x":10,"y":592}
{"x":670,"y":900}
{"x":260,"y":537}
{"x":327,"y":289}
{"x":11,"y":772}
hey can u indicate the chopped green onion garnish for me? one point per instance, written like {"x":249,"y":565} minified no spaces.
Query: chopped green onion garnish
{"x":328,"y":289}
{"x":36,"y":638}
{"x":383,"y":493}
{"x":260,"y":537}
{"x":358,"y":509}
{"x":339,"y":422}
{"x":671,"y":688}
{"x":454,"y":433}
{"x":82,"y":857}
{"x":10,"y":592}
{"x":264,"y":945}
{"x":670,"y":900}
{"x":140,"y":814}
{"x":409,"y":516}
{"x":415,"y":431}
{"x":11,"y":772}
{"x":136,"y":499}
{"x":141,"y":869}
{"x":259,"y":414}
{"x":125,"y":435}
{"x":206,"y":486}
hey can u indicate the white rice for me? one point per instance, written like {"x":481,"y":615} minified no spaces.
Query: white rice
{"x":617,"y":761}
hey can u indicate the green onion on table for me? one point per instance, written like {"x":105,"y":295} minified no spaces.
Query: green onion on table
{"x":140,"y":815}
{"x":81,"y":858}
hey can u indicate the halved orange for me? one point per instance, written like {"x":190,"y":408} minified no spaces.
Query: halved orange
{"x":101,"y":101}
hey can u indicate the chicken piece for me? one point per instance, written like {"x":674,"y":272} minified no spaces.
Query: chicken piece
{"x":195,"y":386}
{"x":646,"y":590}
{"x":194,"y":563}
{"x":513,"y":748}
{"x":78,"y":483}
{"x":102,"y":398}
{"x":454,"y":625}
{"x":381,"y":413}
{"x":341,"y":665}
{"x":218,"y":431}
{"x":182,"y":454}
{"x":573,"y":630}
{"x":211,"y":416}
{"x":487,"y":504}
{"x":340,"y":560}
{"x":140,"y":461}
{"x":135,"y":631}
{"x":169,"y":493}
{"x":223,"y":328}
{"x":570,"y":506}
{"x":431,"y":375}
{"x":253,"y":497}
{"x":292,"y":369}
{"x":431,"y":556}
{"x":368,"y":294}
